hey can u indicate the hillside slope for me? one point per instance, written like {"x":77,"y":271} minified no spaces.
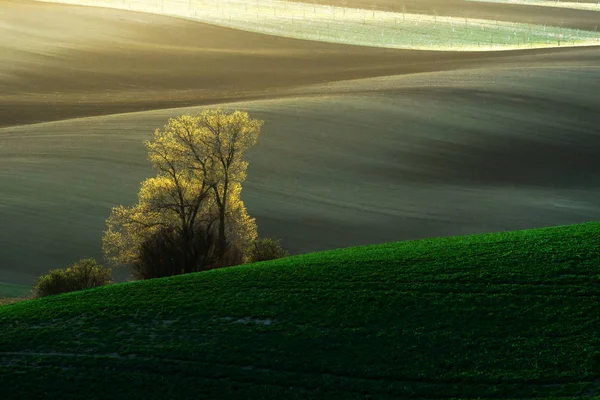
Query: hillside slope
{"x":494,"y":316}
{"x":337,"y":165}
{"x":63,"y":61}
{"x":60,"y":61}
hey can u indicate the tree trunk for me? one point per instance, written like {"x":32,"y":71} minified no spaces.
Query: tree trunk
{"x":222,"y":207}
{"x":222,"y":239}
{"x":184,"y":245}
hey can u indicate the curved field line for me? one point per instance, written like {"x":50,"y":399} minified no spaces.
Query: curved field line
{"x":358,"y":26}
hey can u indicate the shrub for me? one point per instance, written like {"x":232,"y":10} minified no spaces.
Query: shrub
{"x":234,"y":255}
{"x":84,"y":274}
{"x":267,"y":249}
{"x":167,"y":253}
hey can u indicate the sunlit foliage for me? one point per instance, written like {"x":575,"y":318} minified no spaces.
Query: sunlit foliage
{"x":85,"y":274}
{"x":200,"y":171}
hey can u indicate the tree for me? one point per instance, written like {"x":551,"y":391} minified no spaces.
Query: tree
{"x":165,"y":253}
{"x":200,"y":171}
{"x":228,"y":136}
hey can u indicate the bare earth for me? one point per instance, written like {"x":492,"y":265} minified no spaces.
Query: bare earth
{"x":498,"y":141}
{"x":61,"y":61}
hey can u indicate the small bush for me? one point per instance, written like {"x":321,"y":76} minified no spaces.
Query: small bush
{"x":168,"y":253}
{"x":267,"y":249}
{"x":84,"y":274}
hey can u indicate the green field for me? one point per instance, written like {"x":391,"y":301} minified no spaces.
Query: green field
{"x":506,"y":315}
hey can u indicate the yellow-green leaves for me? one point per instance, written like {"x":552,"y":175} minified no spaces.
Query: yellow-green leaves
{"x":199,"y":166}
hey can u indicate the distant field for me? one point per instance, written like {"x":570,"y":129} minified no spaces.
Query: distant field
{"x":578,"y":5}
{"x":511,"y":315}
{"x":511,"y":12}
{"x":61,"y":61}
{"x":340,"y":164}
{"x":386,"y":29}
{"x":12,"y":290}
{"x":361,"y":27}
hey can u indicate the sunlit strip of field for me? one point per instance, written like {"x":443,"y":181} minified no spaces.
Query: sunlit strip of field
{"x":548,"y":3}
{"x":360,"y":27}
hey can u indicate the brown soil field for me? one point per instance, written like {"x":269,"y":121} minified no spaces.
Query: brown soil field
{"x":63,"y":61}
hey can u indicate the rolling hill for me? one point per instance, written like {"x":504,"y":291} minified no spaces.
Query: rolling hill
{"x":63,"y":61}
{"x":361,"y":146}
{"x":494,"y":316}
{"x":498,"y":141}
{"x":337,"y":165}
{"x":359,"y":26}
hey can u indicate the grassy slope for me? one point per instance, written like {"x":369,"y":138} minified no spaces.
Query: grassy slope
{"x":507,"y":315}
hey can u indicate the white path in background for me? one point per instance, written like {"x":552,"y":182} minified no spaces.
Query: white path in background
{"x":548,"y":3}
{"x":357,"y":26}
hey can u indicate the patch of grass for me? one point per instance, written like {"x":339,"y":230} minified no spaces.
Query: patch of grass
{"x":362,"y":27}
{"x":505,"y":315}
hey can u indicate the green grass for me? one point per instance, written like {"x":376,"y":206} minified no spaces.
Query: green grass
{"x":506,"y":315}
{"x":360,"y":26}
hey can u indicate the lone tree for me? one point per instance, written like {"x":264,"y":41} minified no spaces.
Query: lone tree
{"x":200,"y":171}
